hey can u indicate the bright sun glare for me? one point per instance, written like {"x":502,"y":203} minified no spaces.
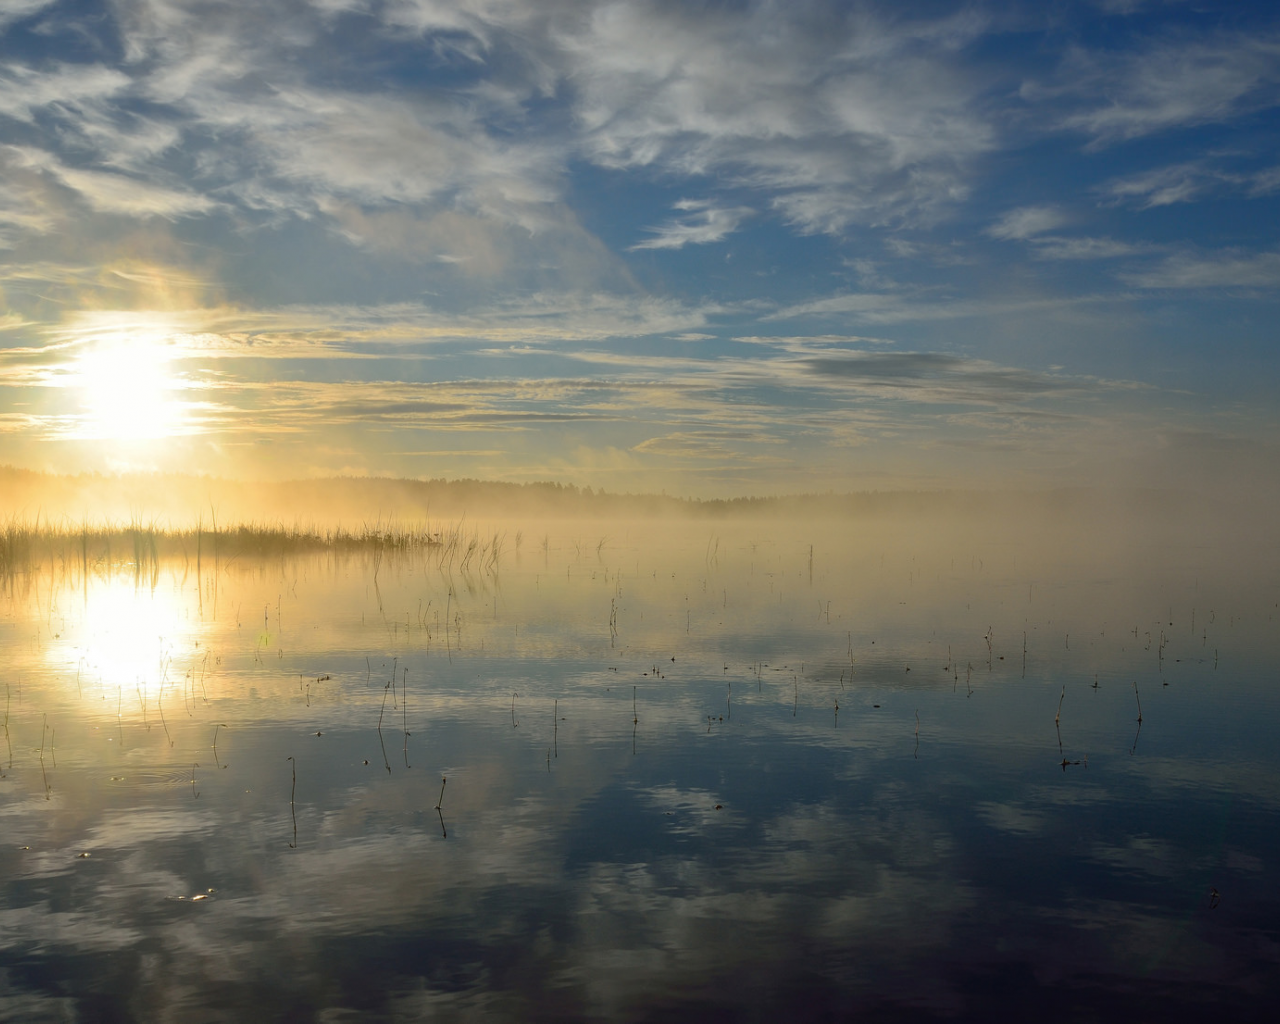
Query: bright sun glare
{"x":129,"y":392}
{"x":124,"y":640}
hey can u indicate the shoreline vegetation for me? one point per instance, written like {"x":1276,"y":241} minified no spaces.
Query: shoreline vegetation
{"x":140,"y":519}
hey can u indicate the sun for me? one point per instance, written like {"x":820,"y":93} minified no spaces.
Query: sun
{"x":128,"y":389}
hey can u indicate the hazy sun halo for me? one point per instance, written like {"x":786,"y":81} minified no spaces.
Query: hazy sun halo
{"x":128,"y":390}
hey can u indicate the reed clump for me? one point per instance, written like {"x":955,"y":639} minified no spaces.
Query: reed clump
{"x":17,"y":546}
{"x":89,"y":547}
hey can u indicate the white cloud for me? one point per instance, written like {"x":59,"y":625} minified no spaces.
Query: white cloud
{"x":113,"y":193}
{"x":813,"y":344}
{"x":1264,"y":183}
{"x":1027,"y":222}
{"x":16,"y":10}
{"x":1174,"y":82}
{"x":844,"y":117}
{"x":333,"y":7}
{"x":69,"y":88}
{"x":1054,"y":247}
{"x":548,"y":319}
{"x":924,"y":307}
{"x":1164,"y":186}
{"x":720,"y":445}
{"x":829,"y":115}
{"x":941,"y":377}
{"x":705,"y":223}
{"x":21,"y":211}
{"x":1228,"y":269}
{"x":265,"y":122}
{"x":838,"y":115}
{"x":380,"y":149}
{"x":1187,"y":182}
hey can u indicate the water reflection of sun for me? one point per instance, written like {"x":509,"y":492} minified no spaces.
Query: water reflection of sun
{"x":126,"y":638}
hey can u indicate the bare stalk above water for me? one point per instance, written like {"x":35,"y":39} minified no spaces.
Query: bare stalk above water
{"x":292,"y":809}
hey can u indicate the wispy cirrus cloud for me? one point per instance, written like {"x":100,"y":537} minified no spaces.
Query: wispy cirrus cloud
{"x":836,"y":117}
{"x":1058,"y":247}
{"x":842,"y":116}
{"x":717,"y":445}
{"x":73,"y":91}
{"x":942,"y":377}
{"x":925,"y":306}
{"x":1188,"y":182}
{"x":1264,"y":183}
{"x":111,"y":193}
{"x":702,"y":224}
{"x":23,"y":211}
{"x":839,"y":116}
{"x":237,"y":108}
{"x":1172,"y":81}
{"x":1231,"y":268}
{"x":1027,"y":222}
{"x":808,"y":344}
{"x":16,"y":10}
{"x":1180,"y":183}
{"x":545,"y":319}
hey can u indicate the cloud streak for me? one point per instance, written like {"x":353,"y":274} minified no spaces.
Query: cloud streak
{"x":112,"y":193}
{"x":1027,"y":222}
{"x":702,"y":225}
{"x":1189,"y":182}
{"x":1177,"y":81}
{"x":940,"y":377}
{"x":1229,"y":269}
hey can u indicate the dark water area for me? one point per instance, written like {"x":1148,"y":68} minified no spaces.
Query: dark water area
{"x":749,"y":772}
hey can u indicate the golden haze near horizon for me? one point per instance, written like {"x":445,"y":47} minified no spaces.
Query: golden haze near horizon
{"x":1103,"y":528}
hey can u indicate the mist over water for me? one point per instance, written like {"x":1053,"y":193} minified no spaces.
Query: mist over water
{"x":639,"y":511}
{"x":923,"y":764}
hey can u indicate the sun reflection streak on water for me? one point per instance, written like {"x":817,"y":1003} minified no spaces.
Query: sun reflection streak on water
{"x":120,"y":637}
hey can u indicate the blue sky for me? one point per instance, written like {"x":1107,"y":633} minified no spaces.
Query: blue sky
{"x":716,"y":248}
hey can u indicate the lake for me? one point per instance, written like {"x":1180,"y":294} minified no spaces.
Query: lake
{"x":737,"y":770}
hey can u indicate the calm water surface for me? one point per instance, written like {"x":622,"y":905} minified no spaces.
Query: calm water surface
{"x":693,"y":772}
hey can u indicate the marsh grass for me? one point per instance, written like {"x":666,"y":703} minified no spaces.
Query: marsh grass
{"x":139,"y":545}
{"x":18,"y":543}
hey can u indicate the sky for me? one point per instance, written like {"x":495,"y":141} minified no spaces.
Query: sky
{"x":714,"y":249}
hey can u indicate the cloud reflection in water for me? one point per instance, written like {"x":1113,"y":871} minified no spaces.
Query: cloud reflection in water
{"x":755,"y":854}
